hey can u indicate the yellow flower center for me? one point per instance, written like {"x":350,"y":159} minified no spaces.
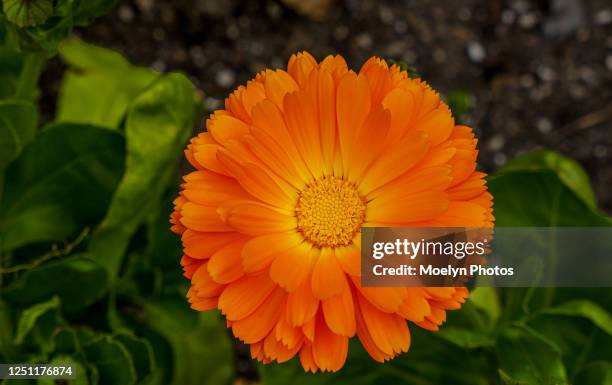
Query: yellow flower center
{"x":330,"y":212}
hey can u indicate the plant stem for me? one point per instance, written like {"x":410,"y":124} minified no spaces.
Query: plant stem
{"x":30,"y":73}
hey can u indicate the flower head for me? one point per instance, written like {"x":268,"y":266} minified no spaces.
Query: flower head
{"x":287,"y":174}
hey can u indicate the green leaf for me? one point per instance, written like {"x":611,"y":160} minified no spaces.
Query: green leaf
{"x":78,"y":281}
{"x":141,"y":352}
{"x":189,"y":346}
{"x":586,"y":309}
{"x":568,"y":171}
{"x":99,"y":85}
{"x":27,"y":13}
{"x":468,"y":328}
{"x":111,"y":358}
{"x":596,"y":373}
{"x":539,"y":198}
{"x":18,"y":121}
{"x":158,"y":125}
{"x":31,"y":315}
{"x":527,"y":357}
{"x":61,"y":183}
{"x":486,"y":299}
{"x":460,"y":102}
{"x":85,"y":11}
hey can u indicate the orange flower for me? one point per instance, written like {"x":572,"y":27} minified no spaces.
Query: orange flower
{"x":288,"y":173}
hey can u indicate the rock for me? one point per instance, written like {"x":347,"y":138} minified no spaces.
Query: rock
{"x":565,"y":18}
{"x":476,"y":51}
{"x":603,"y":17}
{"x":544,"y":125}
{"x":496,"y":143}
{"x":225,"y":78}
{"x":314,"y":9}
{"x":216,"y":8}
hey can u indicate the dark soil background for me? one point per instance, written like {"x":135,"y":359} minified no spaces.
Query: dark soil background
{"x":538,"y":73}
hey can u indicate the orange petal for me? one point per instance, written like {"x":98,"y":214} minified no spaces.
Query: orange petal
{"x":225,"y":265}
{"x":415,"y":307}
{"x":241,"y":298}
{"x":203,"y":283}
{"x":349,"y":257}
{"x":352,"y":106}
{"x":202,"y":245}
{"x":389,"y":331}
{"x":371,"y":137}
{"x":277,"y":351}
{"x":328,"y":279}
{"x":398,"y":159}
{"x":438,"y":124}
{"x":202,"y":218}
{"x":288,"y":335}
{"x":277,"y":84}
{"x":307,"y":360}
{"x":329,"y":350}
{"x":302,"y":305}
{"x":224,"y":128}
{"x":413,"y":208}
{"x":255,"y":218}
{"x":291,"y":267}
{"x":303,"y":126}
{"x":261,"y":321}
{"x":254,"y":179}
{"x":339,"y":313}
{"x":260,"y":251}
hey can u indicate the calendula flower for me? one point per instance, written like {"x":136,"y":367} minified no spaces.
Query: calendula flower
{"x":288,"y":173}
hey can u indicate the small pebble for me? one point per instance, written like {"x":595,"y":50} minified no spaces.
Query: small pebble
{"x":386,"y":15}
{"x":496,"y":143}
{"x":126,"y":14}
{"x":609,"y":62}
{"x":212,"y":104}
{"x":439,"y":55}
{"x":464,"y":14}
{"x":528,"y":20}
{"x":476,"y":51}
{"x":508,"y":16}
{"x":527,"y":81}
{"x":400,"y":26}
{"x":500,"y":159}
{"x":363,"y":40}
{"x":232,"y":31}
{"x":341,"y":32}
{"x":159,"y":65}
{"x":274,"y":10}
{"x":225,"y":78}
{"x":546,"y":73}
{"x":603,"y":17}
{"x":520,"y":6}
{"x":544,"y":125}
{"x":159,"y":34}
{"x":600,"y":151}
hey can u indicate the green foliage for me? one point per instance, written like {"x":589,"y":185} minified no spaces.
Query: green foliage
{"x":27,"y":13}
{"x":115,"y":81}
{"x":40,"y":25}
{"x":460,"y":102}
{"x":82,"y":162}
{"x":18,"y":121}
{"x":78,"y":196}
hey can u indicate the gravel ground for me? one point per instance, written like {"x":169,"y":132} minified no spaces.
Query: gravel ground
{"x":538,"y":73}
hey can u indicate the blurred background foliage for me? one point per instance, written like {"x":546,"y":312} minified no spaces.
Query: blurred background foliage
{"x":89,"y":271}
